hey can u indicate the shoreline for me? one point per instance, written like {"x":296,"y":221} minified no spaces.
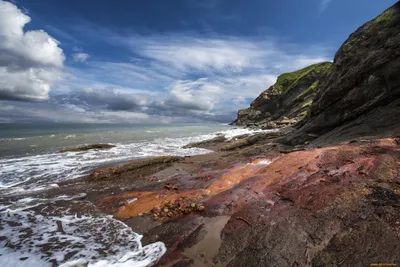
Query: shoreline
{"x":231,"y":185}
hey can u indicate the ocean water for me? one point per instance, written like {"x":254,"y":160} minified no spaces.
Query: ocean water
{"x":30,"y":161}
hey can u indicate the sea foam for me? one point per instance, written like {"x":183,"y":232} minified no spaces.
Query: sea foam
{"x":31,"y":239}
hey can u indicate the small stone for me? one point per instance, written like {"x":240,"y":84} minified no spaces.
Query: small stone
{"x":193,"y":205}
{"x":166,"y":210}
{"x":140,"y":214}
{"x":201,"y":208}
{"x":155,"y":210}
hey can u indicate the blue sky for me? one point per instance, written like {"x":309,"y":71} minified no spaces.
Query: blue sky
{"x":160,"y":61}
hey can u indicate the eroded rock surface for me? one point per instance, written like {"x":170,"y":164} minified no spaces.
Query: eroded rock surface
{"x":137,"y":168}
{"x":318,"y":207}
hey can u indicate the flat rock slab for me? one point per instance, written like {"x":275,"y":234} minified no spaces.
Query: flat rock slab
{"x":86,"y":148}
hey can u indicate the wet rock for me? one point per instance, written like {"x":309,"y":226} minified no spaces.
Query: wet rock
{"x":86,"y":148}
{"x":207,"y":143}
{"x":253,"y":139}
{"x":170,"y":187}
{"x":134,"y":169}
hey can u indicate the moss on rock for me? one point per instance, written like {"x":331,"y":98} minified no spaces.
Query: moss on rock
{"x":289,"y":80}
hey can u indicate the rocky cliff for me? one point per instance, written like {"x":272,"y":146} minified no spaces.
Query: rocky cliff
{"x":361,"y":95}
{"x":357,"y":95}
{"x":287,"y":101}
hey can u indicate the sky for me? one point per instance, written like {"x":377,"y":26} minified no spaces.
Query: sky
{"x":157,"y":61}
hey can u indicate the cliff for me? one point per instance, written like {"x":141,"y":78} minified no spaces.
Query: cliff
{"x":287,"y":101}
{"x":358,"y":95}
{"x":361,"y":95}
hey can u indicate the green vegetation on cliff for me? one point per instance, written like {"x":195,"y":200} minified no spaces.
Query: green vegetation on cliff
{"x":385,"y":17}
{"x":289,"y":80}
{"x":288,"y":99}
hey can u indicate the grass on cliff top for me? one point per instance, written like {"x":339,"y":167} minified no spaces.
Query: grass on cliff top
{"x":386,"y":16}
{"x":288,"y":80}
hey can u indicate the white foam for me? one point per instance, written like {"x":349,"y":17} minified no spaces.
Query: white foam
{"x":262,"y":162}
{"x":231,"y":133}
{"x":89,"y":241}
{"x":129,"y":201}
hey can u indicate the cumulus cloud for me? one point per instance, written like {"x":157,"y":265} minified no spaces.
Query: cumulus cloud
{"x":29,"y":60}
{"x":80,"y":57}
{"x":193,"y":95}
{"x":176,"y":77}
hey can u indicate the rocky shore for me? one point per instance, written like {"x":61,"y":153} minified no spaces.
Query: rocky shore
{"x":323,"y":190}
{"x":261,"y":204}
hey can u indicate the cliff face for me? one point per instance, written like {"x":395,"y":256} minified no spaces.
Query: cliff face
{"x":361,"y":95}
{"x":287,"y":101}
{"x":357,"y":95}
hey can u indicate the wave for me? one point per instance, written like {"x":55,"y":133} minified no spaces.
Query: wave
{"x":70,"y":136}
{"x":70,"y":240}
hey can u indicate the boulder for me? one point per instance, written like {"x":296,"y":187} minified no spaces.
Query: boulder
{"x":207,"y":143}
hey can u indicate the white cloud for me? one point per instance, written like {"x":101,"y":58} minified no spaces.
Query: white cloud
{"x":188,"y":54}
{"x":193,"y":95}
{"x":180,"y":54}
{"x":324,"y":5}
{"x":29,"y":61}
{"x":166,"y":78}
{"x":80,"y":57}
{"x":187,"y":76}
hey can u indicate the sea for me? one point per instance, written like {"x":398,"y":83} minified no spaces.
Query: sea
{"x":30,"y":161}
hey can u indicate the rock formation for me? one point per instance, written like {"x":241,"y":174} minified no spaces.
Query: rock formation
{"x":355,"y":96}
{"x":88,"y":147}
{"x":287,"y":101}
{"x":361,"y":94}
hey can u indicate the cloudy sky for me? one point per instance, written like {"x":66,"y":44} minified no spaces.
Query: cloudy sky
{"x":118,"y":61}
